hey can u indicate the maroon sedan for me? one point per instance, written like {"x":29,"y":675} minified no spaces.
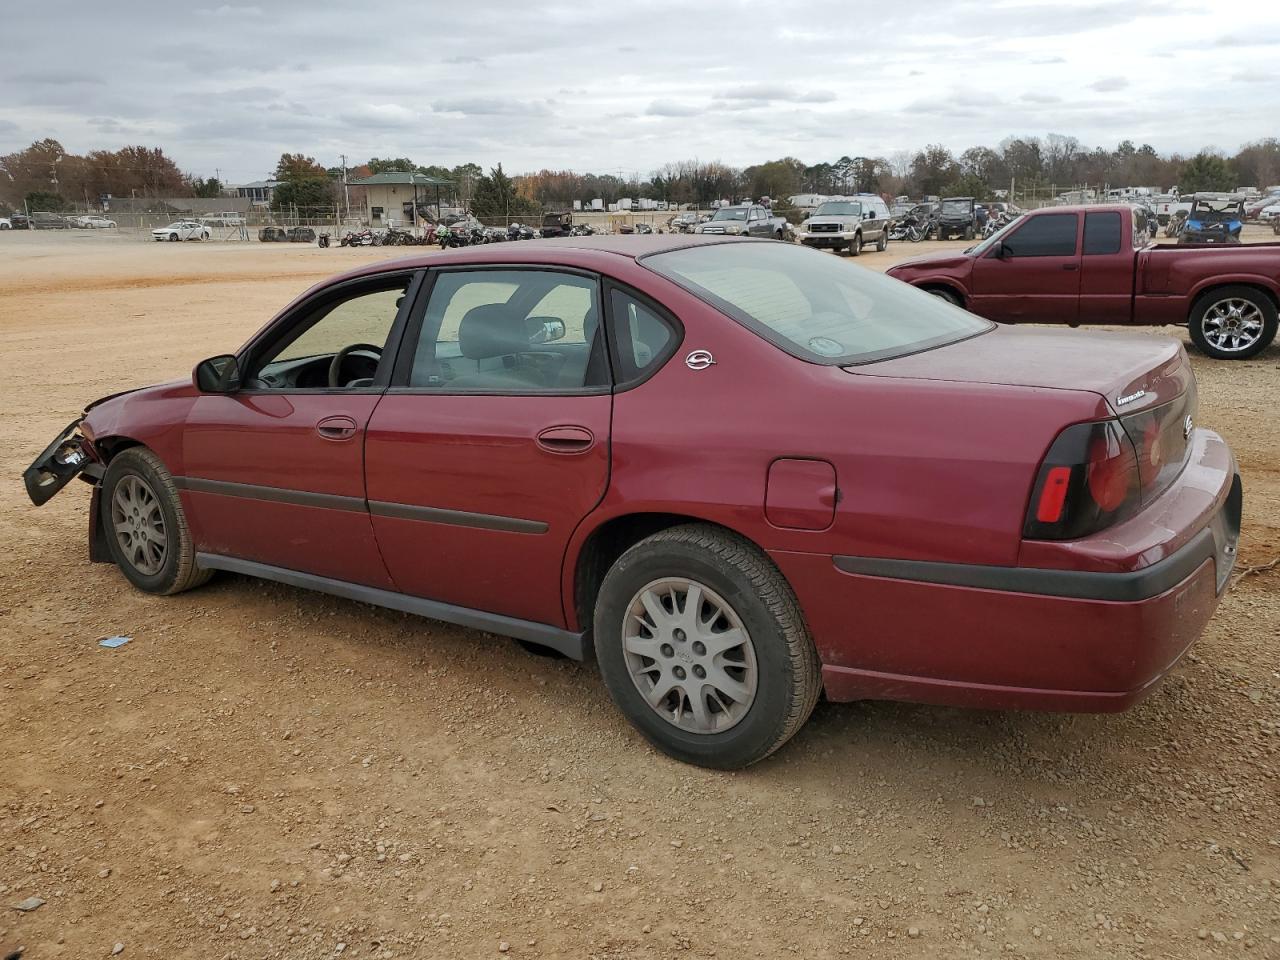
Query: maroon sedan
{"x":739,"y":474}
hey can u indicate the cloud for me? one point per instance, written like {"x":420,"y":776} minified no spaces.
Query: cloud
{"x":231,"y":10}
{"x":490,"y":107}
{"x":670,"y":108}
{"x":767,"y":93}
{"x":1109,"y":84}
{"x":1044,"y":60}
{"x":463,"y":59}
{"x":1040,"y":98}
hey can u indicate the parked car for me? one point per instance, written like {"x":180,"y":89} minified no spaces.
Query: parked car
{"x":922,"y":505}
{"x":301,"y":235}
{"x":20,"y":221}
{"x":1213,"y":218}
{"x":94,"y":223}
{"x":41,"y":220}
{"x":847,"y":225}
{"x":1096,"y":264}
{"x":744,"y":219}
{"x":226,"y":218}
{"x":957,"y":218}
{"x":182,"y":230}
{"x":682,"y":223}
{"x":6,"y":223}
{"x":1268,"y":214}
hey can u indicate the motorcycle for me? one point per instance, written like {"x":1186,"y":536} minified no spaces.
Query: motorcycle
{"x":1173,"y":226}
{"x":323,"y":240}
{"x":996,"y":223}
{"x":362,"y":238}
{"x":912,"y":228}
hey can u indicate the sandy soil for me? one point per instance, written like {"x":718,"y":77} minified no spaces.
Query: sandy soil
{"x":264,"y":772}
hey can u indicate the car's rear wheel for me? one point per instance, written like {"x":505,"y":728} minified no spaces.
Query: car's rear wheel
{"x":855,"y":245}
{"x":1233,"y":322}
{"x":146,"y":529}
{"x":703,"y":647}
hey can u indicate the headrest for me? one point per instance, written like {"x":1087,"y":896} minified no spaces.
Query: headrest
{"x":492,"y":330}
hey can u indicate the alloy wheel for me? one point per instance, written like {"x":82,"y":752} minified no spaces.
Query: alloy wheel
{"x":1232,"y":325}
{"x":689,"y":655}
{"x":138,"y":522}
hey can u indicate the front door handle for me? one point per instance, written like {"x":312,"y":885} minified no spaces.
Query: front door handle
{"x":1071,"y":266}
{"x":566,"y":439}
{"x":336,"y":428}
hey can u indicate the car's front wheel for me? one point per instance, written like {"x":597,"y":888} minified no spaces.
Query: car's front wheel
{"x":146,"y":529}
{"x":882,"y":244}
{"x":173,"y":238}
{"x":855,"y":245}
{"x":703,"y":647}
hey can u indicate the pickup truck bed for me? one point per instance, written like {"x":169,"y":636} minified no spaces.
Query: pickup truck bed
{"x":1078,"y":265}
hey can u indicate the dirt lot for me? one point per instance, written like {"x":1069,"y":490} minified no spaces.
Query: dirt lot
{"x":265,"y":772}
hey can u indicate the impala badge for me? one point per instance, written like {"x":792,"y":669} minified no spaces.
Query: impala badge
{"x":699,"y":359}
{"x":1136,"y":395}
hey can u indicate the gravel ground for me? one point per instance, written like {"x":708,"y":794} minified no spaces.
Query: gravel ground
{"x":264,"y":772}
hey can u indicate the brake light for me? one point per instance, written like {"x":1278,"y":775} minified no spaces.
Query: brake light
{"x":1088,"y":481}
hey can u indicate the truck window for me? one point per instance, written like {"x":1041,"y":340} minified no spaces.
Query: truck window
{"x":1101,"y":233}
{"x":1050,"y":235}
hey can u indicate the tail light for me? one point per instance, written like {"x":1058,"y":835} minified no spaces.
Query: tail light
{"x":1097,"y":474}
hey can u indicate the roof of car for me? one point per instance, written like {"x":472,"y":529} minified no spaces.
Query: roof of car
{"x":536,"y":251}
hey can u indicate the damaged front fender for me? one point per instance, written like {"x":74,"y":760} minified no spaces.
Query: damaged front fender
{"x":62,"y":461}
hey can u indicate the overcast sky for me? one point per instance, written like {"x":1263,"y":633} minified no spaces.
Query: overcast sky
{"x":625,"y":86}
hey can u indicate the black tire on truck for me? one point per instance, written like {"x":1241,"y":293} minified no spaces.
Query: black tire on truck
{"x":1234,"y":322}
{"x":855,"y":245}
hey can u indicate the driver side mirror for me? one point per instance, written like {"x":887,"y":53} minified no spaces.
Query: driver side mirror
{"x":545,"y":329}
{"x":219,"y":374}
{"x":1000,"y":251}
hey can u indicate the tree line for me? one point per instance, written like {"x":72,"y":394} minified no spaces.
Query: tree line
{"x":45,"y":176}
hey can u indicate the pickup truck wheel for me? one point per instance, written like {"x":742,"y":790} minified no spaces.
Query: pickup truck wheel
{"x":855,"y":245}
{"x":883,"y":243}
{"x":946,"y":295}
{"x":146,"y":529}
{"x":702,"y":646}
{"x":1233,"y":323}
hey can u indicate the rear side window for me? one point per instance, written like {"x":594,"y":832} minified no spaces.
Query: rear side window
{"x":644,"y":339}
{"x":1048,"y":235}
{"x":1102,"y":233}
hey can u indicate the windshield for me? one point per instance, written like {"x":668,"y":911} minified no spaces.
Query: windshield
{"x":816,"y":307}
{"x":1216,"y":207}
{"x":980,"y":248}
{"x":731,"y":213}
{"x":956,"y":206}
{"x":846,"y":208}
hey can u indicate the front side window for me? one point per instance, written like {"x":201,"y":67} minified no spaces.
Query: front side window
{"x":814,"y":306}
{"x":511,"y":331}
{"x":336,"y":346}
{"x":1048,"y":235}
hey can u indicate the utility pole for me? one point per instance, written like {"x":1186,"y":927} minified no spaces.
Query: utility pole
{"x":346,"y":195}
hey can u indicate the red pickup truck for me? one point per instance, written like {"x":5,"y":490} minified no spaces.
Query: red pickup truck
{"x":1096,"y":264}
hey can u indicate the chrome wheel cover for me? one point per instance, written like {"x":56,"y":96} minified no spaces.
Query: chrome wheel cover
{"x":1232,"y":325}
{"x":138,"y":523}
{"x":689,"y":655}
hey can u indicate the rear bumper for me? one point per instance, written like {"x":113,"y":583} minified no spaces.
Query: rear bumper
{"x":1013,"y":638}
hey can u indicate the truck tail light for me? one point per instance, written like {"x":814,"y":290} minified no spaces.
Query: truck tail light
{"x":1089,"y":480}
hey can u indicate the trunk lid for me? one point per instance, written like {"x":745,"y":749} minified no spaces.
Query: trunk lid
{"x":1146,"y":381}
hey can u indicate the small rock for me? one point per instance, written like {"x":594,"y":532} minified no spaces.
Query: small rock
{"x":247,"y":808}
{"x":646,"y":929}
{"x":1202,"y":933}
{"x":29,"y":904}
{"x":913,"y":932}
{"x":677,"y":843}
{"x":597,"y":886}
{"x":503,"y":947}
{"x":836,"y":848}
{"x":275,"y":885}
{"x":104,"y":873}
{"x":117,"y":949}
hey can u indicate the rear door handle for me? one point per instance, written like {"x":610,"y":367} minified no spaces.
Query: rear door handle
{"x":336,"y":428}
{"x":1071,"y":266}
{"x":566,"y":439}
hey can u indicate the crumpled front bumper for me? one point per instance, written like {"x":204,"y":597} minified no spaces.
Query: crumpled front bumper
{"x":59,"y":463}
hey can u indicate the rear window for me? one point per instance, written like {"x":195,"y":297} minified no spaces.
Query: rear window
{"x":1102,"y":233}
{"x":815,"y":306}
{"x":1047,"y":235}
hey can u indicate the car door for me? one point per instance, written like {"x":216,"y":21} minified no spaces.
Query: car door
{"x":1033,"y":275}
{"x":274,"y":471}
{"x":492,"y":443}
{"x":758,"y":222}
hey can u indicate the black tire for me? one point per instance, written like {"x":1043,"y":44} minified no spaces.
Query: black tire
{"x":173,"y":238}
{"x":178,"y":571}
{"x":883,"y":243}
{"x":1205,"y":303}
{"x":855,"y":245}
{"x":946,"y":295}
{"x":968,"y":233}
{"x":789,"y":672}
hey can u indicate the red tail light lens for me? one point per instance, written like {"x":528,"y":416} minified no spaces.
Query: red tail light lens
{"x":1088,"y":481}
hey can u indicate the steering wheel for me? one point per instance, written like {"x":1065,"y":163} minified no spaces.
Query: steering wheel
{"x":339,"y":358}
